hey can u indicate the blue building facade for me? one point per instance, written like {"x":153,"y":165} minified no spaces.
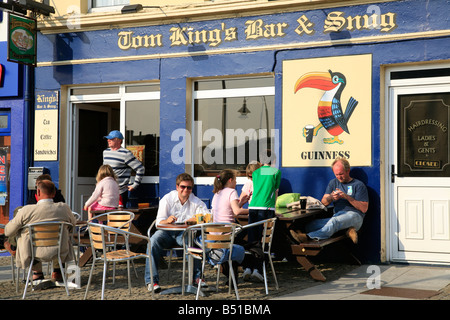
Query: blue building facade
{"x":14,"y":134}
{"x":390,"y":33}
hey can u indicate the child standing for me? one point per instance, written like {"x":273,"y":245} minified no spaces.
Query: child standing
{"x":106,"y":193}
{"x":266,"y":182}
{"x":247,"y":188}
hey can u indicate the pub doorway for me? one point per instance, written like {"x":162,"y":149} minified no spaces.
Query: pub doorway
{"x":418,"y":165}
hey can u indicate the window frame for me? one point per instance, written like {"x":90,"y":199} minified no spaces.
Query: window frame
{"x":218,"y":94}
{"x":122,"y":97}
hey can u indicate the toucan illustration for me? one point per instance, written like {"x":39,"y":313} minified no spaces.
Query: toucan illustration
{"x":329,"y":109}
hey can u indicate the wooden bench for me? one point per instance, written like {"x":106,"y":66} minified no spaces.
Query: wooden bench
{"x":312,"y":248}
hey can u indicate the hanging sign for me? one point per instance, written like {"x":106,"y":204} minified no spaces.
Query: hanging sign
{"x":21,"y":40}
{"x":46,"y":126}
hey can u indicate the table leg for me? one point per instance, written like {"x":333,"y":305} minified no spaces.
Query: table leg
{"x":311,"y":268}
{"x":189,"y":288}
{"x":85,"y":257}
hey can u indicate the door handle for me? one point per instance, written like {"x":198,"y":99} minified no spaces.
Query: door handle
{"x":393,"y":174}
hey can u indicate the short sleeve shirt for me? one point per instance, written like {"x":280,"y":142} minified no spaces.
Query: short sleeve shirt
{"x":221,"y":205}
{"x":355,"y":188}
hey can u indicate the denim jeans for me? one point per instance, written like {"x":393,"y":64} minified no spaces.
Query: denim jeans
{"x":255,"y":215}
{"x":325,"y":228}
{"x":161,"y":241}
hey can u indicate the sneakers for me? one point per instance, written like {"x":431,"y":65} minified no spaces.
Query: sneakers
{"x":156,"y":288}
{"x":247,"y":274}
{"x":203,"y":284}
{"x":256,"y":276}
{"x":253,"y":276}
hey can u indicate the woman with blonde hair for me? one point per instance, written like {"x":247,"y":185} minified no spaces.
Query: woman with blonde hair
{"x":106,"y":194}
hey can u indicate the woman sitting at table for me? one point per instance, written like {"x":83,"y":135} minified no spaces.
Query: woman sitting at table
{"x":226,"y":206}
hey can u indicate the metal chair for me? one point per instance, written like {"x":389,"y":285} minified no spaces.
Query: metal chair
{"x":214,"y":236}
{"x":99,"y":234}
{"x":46,"y":234}
{"x":120,"y":219}
{"x":268,"y":228}
{"x":170,"y":250}
{"x":2,"y":226}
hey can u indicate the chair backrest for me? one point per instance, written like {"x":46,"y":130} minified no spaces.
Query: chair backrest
{"x":267,"y":236}
{"x":120,"y":219}
{"x":218,"y":235}
{"x":46,"y":234}
{"x":97,"y":235}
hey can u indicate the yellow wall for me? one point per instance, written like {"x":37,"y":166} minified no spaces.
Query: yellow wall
{"x":63,"y":7}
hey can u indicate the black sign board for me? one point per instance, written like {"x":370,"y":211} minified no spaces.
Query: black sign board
{"x":424,"y":135}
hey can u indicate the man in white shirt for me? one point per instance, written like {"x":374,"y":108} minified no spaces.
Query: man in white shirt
{"x":178,"y":205}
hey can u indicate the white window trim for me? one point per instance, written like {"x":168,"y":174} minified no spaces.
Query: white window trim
{"x":120,"y":97}
{"x":217,"y":94}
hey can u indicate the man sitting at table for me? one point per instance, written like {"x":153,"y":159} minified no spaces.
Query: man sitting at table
{"x":45,"y":210}
{"x":178,"y":205}
{"x":351,"y":201}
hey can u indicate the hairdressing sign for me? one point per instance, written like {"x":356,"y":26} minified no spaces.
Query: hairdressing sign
{"x":46,"y":126}
{"x":424,"y":122}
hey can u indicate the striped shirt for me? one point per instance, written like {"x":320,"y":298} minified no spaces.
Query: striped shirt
{"x":122,"y":162}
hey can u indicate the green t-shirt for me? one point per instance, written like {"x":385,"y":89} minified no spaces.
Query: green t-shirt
{"x":266,"y":181}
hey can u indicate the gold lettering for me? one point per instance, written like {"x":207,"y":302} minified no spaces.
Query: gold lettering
{"x":257,"y":29}
{"x":336,"y":22}
{"x":230,"y":34}
{"x":124,"y":41}
{"x":178,"y":37}
{"x":127,"y":40}
{"x":304,"y":26}
{"x":388,"y":22}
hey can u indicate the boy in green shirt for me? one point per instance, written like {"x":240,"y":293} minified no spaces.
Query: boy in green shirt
{"x":266,"y":182}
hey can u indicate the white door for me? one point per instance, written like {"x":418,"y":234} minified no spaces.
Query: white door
{"x":419,"y":171}
{"x":91,"y":124}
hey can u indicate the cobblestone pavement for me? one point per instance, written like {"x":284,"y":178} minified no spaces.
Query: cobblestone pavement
{"x":291,"y":277}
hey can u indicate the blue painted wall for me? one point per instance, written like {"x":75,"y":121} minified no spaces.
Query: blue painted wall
{"x":412,"y":16}
{"x":12,"y":100}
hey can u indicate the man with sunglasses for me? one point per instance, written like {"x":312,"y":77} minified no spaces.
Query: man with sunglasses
{"x":178,"y":205}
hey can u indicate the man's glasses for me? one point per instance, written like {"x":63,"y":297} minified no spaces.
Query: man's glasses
{"x":185,"y":187}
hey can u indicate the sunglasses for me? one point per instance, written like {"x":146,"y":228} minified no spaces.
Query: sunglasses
{"x":185,"y":187}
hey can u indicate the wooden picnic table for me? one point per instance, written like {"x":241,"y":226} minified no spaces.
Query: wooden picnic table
{"x":284,"y":246}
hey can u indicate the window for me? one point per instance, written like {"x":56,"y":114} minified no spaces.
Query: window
{"x":142,"y":132}
{"x":131,"y":108}
{"x":108,"y":3}
{"x":233,"y":121}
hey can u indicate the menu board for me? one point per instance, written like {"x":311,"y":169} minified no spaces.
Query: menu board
{"x":46,"y":111}
{"x":424,"y":135}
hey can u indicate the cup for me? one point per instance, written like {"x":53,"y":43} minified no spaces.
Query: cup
{"x":207,"y":217}
{"x":303,"y":203}
{"x":309,"y":130}
{"x":199,"y":217}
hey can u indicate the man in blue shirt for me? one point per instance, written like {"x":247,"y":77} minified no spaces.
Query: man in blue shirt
{"x":351,"y":201}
